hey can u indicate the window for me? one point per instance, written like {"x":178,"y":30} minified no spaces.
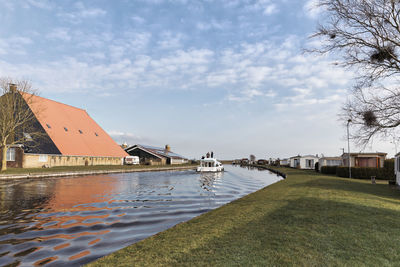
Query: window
{"x":48,"y":126}
{"x":65,"y":128}
{"x":11,"y":154}
{"x":80,"y":132}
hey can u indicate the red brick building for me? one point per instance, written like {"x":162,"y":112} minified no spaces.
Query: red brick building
{"x":70,"y":137}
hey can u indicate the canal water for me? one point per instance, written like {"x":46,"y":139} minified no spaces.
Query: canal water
{"x":75,"y":220}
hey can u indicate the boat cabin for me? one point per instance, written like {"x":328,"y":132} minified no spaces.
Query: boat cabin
{"x":209,"y":162}
{"x":210,"y":165}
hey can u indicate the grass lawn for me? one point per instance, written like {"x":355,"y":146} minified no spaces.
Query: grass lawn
{"x":308,"y":219}
{"x":87,"y":168}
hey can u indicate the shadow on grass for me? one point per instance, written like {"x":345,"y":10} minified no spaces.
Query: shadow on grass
{"x":350,"y":185}
{"x":309,"y":232}
{"x":305,"y":232}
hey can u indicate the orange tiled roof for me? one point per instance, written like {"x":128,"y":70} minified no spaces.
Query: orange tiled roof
{"x":72,"y":130}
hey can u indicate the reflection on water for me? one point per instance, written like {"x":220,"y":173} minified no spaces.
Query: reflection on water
{"x":72,"y":221}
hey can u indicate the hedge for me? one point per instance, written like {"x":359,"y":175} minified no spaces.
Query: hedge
{"x":328,"y":169}
{"x":385,"y":173}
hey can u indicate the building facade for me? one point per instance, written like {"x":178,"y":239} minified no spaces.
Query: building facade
{"x":372,"y":160}
{"x":69,"y":137}
{"x":156,"y":155}
{"x":329,"y":161}
{"x":303,"y":162}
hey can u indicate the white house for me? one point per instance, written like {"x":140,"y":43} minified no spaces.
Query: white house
{"x":303,"y":162}
{"x":329,"y":161}
{"x":284,"y":162}
{"x":397,"y":168}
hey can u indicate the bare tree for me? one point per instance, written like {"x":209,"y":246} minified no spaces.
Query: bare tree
{"x":366,"y":34}
{"x":16,"y":119}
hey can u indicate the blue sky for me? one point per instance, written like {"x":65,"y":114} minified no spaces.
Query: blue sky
{"x":222,"y":75}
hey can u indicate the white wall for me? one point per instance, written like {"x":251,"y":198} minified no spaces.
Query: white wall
{"x":397,"y":169}
{"x":323,"y":162}
{"x":303,"y":162}
{"x":292,"y":162}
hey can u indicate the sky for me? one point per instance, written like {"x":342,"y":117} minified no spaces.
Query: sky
{"x":229,"y":76}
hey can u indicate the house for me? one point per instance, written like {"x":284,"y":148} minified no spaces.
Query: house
{"x":303,"y":162}
{"x":284,"y":162}
{"x":236,"y":162}
{"x":155,"y":155}
{"x":262,"y":162}
{"x":70,"y":137}
{"x":397,"y":168}
{"x":244,"y":161}
{"x":329,"y":161}
{"x":373,"y":160}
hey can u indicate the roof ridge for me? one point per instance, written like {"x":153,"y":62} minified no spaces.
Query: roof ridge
{"x":58,"y":102}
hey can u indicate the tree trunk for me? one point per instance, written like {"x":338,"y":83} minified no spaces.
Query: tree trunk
{"x":4,"y":158}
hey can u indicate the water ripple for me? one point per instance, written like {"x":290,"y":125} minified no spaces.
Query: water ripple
{"x":72,"y":221}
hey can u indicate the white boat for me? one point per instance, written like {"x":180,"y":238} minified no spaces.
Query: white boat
{"x":210,"y":165}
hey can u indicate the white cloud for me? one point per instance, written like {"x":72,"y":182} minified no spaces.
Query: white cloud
{"x":312,"y":9}
{"x":60,"y":34}
{"x":138,"y":19}
{"x":15,"y":45}
{"x":270,"y":9}
{"x":212,"y":24}
{"x":244,"y":72}
{"x":42,"y":4}
{"x":170,"y":40}
{"x":249,"y":94}
{"x":267,"y":7}
{"x":129,"y":138}
{"x":82,"y":12}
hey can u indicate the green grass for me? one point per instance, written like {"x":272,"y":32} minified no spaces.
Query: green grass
{"x":87,"y":168}
{"x":308,"y":219}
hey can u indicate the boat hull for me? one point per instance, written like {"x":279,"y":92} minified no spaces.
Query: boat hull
{"x":210,"y":169}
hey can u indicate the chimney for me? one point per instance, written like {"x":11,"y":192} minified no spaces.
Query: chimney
{"x":124,"y":145}
{"x":167,"y":148}
{"x":13,"y":87}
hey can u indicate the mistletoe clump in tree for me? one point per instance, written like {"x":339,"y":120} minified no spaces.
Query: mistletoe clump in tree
{"x":366,"y":34}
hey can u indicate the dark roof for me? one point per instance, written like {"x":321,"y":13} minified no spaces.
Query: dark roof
{"x":158,"y":151}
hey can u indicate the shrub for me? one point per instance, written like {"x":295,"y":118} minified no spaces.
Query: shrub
{"x":388,"y":167}
{"x":328,"y":169}
{"x":386,"y":173}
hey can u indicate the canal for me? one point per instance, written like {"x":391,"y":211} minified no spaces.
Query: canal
{"x":75,"y":220}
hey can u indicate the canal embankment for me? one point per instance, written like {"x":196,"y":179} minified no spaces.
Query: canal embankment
{"x":270,"y":168}
{"x":86,"y":170}
{"x":307,"y":219}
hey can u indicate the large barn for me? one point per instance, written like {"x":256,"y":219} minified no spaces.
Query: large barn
{"x":70,"y":138}
{"x":155,"y":155}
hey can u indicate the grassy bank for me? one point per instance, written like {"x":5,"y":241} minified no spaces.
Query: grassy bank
{"x":308,"y":219}
{"x":86,"y":168}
